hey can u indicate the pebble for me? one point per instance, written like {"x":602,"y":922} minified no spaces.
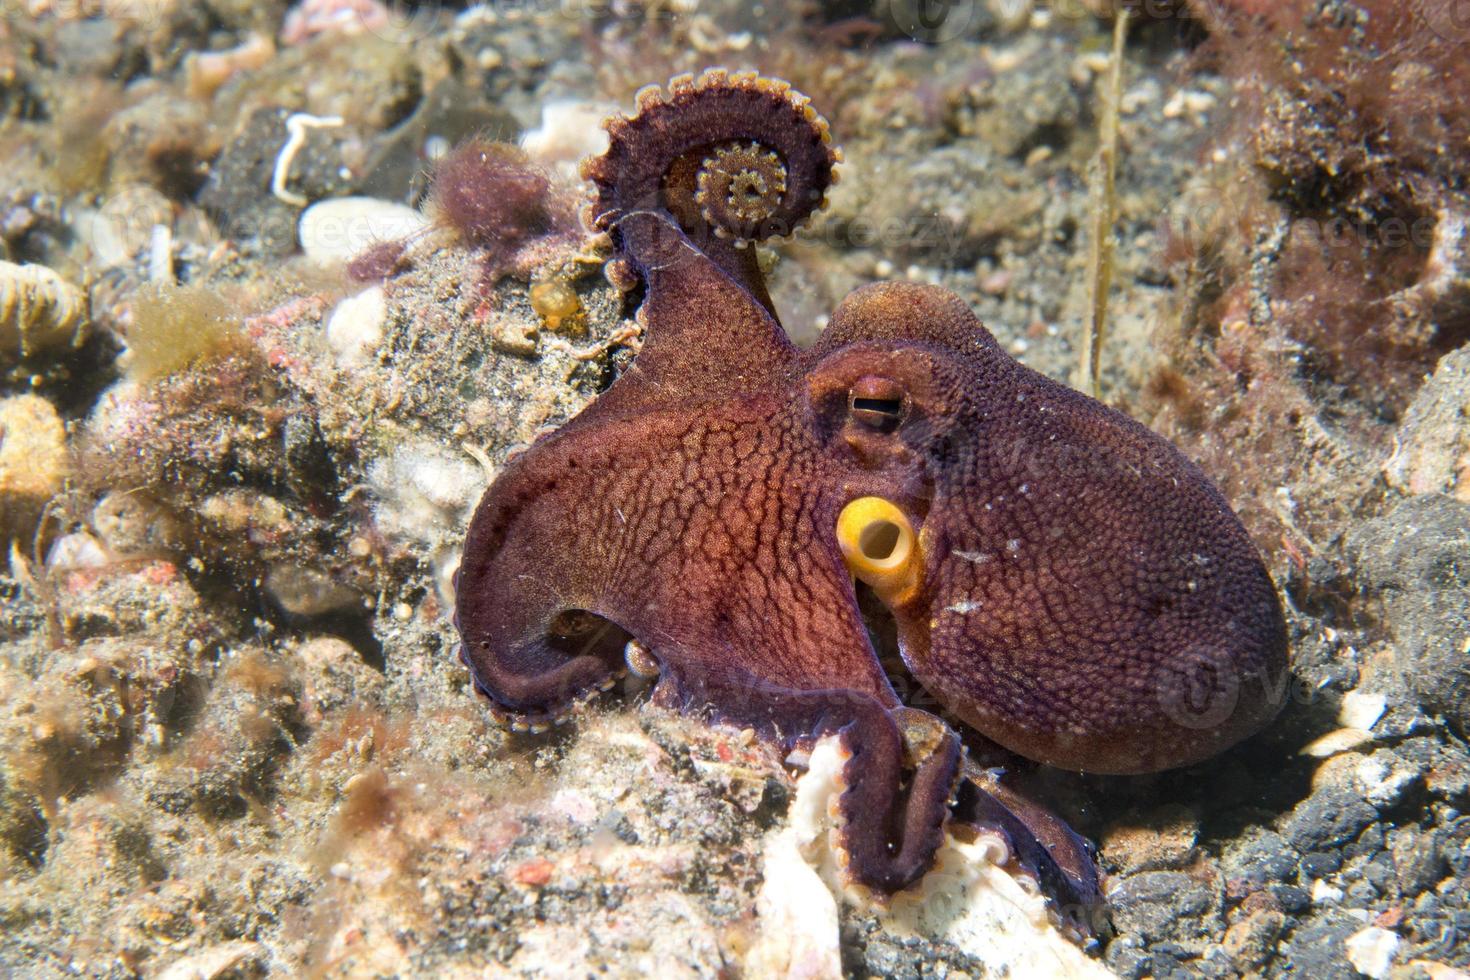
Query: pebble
{"x":1416,"y":561}
{"x":1158,"y":904}
{"x":1162,"y":839}
{"x":1432,"y":448}
{"x":1315,"y":948}
{"x":1371,"y":951}
{"x":33,"y":461}
{"x":308,"y":592}
{"x":336,"y":230}
{"x":1251,"y":941}
{"x":1259,"y":860}
{"x":355,"y":327}
{"x":1321,"y":864}
{"x":1329,"y":818}
{"x":121,"y":229}
{"x":1360,"y":710}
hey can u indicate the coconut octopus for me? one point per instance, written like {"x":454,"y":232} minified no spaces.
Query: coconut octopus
{"x":1061,"y":580}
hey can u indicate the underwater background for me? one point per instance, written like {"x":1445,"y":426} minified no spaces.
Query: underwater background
{"x":282,"y":286}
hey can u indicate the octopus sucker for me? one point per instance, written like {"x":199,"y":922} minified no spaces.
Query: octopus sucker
{"x":902,"y":454}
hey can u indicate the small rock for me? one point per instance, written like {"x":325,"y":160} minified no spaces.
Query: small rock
{"x":211,"y":962}
{"x":1161,"y":839}
{"x":1159,"y":904}
{"x":1385,"y":778}
{"x":338,"y":229}
{"x":1432,"y":449}
{"x":1339,"y":740}
{"x":1251,"y":941}
{"x":1258,"y":860}
{"x":1292,"y":899}
{"x":134,"y":524}
{"x":1360,"y":710}
{"x":308,"y":592}
{"x":570,"y":131}
{"x":1316,"y":948}
{"x":33,"y":462}
{"x":1321,"y":864}
{"x":1417,"y":561}
{"x":1418,"y":859}
{"x":1371,"y":950}
{"x":1330,"y":817}
{"x":334,"y":676}
{"x":355,"y":327}
{"x":237,"y":194}
{"x":423,"y":491}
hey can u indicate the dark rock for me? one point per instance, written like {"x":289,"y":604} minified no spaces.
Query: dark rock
{"x":1321,"y":864}
{"x":1417,"y":561}
{"x":1259,"y":860}
{"x":1378,"y":873}
{"x":1316,"y":949}
{"x":1418,"y":859}
{"x":1368,"y":844}
{"x":1127,"y":957}
{"x":238,"y":195}
{"x":1292,"y":899}
{"x":886,"y":959}
{"x":1159,"y":905}
{"x":1328,"y":818}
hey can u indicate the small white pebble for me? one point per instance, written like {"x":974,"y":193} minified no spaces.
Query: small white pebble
{"x":341,"y":870}
{"x":1360,"y":710}
{"x":1199,"y":103}
{"x":355,"y":327}
{"x":1322,"y":892}
{"x":341,"y":228}
{"x":1371,"y":951}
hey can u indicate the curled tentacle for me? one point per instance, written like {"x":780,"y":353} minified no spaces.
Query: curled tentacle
{"x":902,"y":770}
{"x":734,"y":158}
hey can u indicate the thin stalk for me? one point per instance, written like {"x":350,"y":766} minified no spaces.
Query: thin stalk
{"x":1104,"y":213}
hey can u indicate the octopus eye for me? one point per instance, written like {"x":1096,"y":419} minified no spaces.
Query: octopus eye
{"x":879,"y":545}
{"x":877,"y":403}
